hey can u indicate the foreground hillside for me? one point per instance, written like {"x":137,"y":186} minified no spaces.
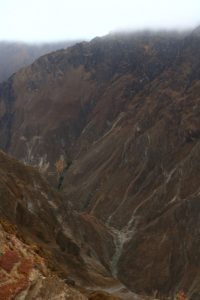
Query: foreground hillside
{"x":40,"y":257}
{"x":121,"y":114}
{"x":23,"y":273}
{"x":39,"y":213}
{"x":27,"y":269}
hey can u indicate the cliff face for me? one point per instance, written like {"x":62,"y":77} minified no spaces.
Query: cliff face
{"x":78,"y":94}
{"x":125,"y":110}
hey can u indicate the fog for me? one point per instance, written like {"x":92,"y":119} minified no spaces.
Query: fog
{"x":49,"y":20}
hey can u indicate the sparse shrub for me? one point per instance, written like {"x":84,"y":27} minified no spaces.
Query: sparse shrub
{"x":181,"y":296}
{"x":60,"y":165}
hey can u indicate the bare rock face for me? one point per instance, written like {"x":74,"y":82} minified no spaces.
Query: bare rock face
{"x":125,"y":110}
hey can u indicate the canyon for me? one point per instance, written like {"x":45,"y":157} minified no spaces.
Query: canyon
{"x":120,"y":116}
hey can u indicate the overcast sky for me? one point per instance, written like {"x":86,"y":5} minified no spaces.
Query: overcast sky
{"x":54,"y":20}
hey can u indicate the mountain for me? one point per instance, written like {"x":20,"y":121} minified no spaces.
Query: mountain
{"x":15,"y":55}
{"x":114,"y":125}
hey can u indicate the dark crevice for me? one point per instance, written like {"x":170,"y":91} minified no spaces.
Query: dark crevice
{"x":7,"y":95}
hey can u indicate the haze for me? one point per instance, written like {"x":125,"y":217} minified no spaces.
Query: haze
{"x":49,"y":20}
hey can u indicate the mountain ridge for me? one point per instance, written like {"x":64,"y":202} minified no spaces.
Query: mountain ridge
{"x":16,"y":55}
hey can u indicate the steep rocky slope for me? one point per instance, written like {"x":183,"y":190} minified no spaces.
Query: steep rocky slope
{"x":125,"y":110}
{"x":23,"y":273}
{"x":38,"y":211}
{"x":40,"y":255}
{"x":14,"y":56}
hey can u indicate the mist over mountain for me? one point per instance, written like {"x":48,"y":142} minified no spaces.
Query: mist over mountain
{"x":109,"y":131}
{"x":16,"y":55}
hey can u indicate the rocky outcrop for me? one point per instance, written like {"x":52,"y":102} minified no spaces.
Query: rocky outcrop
{"x":24,"y":274}
{"x":125,"y":110}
